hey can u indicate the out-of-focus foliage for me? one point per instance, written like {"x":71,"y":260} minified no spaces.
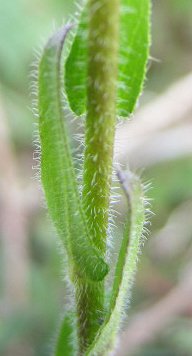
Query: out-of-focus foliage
{"x":22,"y":24}
{"x":28,"y":328}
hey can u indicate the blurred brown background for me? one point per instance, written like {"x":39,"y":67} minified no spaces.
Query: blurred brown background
{"x":159,"y":139}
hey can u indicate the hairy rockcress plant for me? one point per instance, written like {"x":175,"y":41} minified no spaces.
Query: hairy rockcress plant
{"x":96,"y":81}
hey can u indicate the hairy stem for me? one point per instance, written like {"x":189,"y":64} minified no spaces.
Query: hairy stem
{"x":101,"y":114}
{"x":99,"y":140}
{"x":89,"y":310}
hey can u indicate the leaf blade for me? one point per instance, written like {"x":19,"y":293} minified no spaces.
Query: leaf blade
{"x":125,"y":270}
{"x":57,"y":169}
{"x":76,"y":69}
{"x":65,"y":342}
{"x":133,"y":53}
{"x":134,"y":45}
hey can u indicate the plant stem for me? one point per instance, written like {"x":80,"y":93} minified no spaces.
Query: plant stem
{"x":101,"y":114}
{"x":99,"y":140}
{"x":89,"y":300}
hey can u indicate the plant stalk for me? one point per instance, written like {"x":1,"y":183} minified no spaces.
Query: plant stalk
{"x":103,"y":33}
{"x":101,"y":114}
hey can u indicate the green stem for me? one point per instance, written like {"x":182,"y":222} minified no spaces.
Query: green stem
{"x":89,"y":301}
{"x":101,"y":114}
{"x":99,"y":141}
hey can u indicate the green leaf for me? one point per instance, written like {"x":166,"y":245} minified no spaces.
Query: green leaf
{"x":57,"y":168}
{"x":76,"y":68}
{"x":134,"y":51}
{"x":133,"y":54}
{"x":125,"y":267}
{"x":66,"y":342}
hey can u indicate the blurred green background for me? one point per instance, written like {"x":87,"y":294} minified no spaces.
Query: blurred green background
{"x":32,"y":290}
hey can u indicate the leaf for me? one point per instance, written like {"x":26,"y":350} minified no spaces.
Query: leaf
{"x":57,"y":168}
{"x":65,"y":343}
{"x":133,"y":54}
{"x":125,"y":267}
{"x":76,"y":68}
